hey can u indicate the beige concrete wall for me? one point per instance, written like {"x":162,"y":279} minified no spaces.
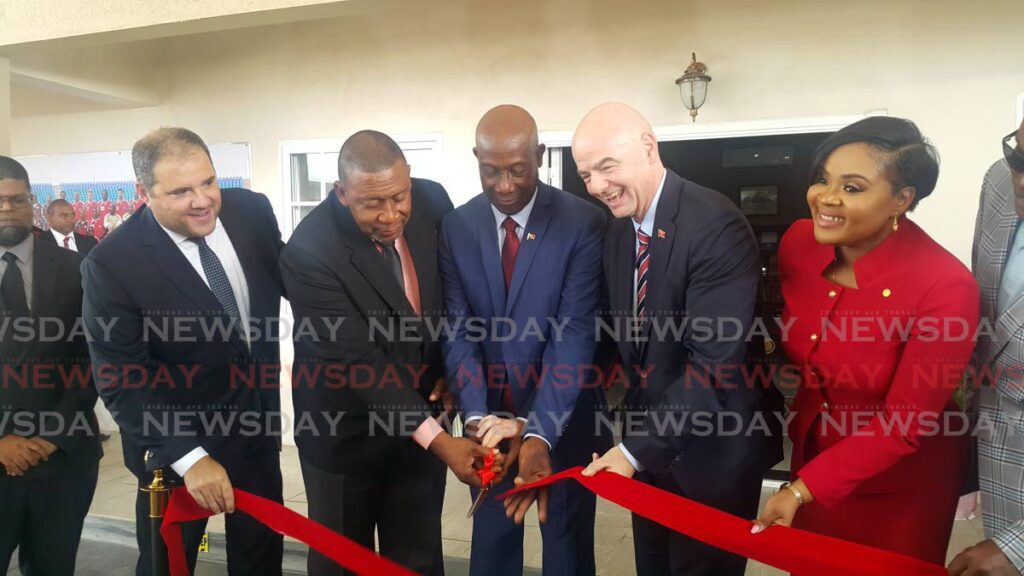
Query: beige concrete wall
{"x":25,"y":21}
{"x":436,"y":66}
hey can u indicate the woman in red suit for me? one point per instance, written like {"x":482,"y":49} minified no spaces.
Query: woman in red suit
{"x":883,"y":325}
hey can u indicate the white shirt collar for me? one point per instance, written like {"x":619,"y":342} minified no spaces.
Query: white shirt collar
{"x":521,"y":217}
{"x":648,"y":224}
{"x":60,"y":237}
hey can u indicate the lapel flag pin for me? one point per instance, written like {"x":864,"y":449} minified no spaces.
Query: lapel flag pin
{"x":530,"y":236}
{"x":661,"y":233}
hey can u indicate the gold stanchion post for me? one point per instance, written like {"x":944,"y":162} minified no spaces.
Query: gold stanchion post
{"x":159,"y":493}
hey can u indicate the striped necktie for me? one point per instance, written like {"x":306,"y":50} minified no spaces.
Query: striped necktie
{"x":643,"y":261}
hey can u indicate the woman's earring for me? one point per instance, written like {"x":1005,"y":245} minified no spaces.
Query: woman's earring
{"x":895,"y":221}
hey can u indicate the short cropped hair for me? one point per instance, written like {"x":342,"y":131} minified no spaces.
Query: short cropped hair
{"x":369,"y":152}
{"x":909,"y":158}
{"x":56,"y":203}
{"x":11,"y":168}
{"x":155,"y":145}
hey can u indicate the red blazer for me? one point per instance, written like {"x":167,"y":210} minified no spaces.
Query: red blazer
{"x":878,"y":367}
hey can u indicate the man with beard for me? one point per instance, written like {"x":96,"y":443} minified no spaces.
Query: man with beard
{"x":49,"y":450}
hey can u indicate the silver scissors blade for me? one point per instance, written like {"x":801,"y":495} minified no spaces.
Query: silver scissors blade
{"x":479,"y":500}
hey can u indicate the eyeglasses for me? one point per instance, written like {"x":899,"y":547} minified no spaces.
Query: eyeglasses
{"x":15,"y":201}
{"x":1014,"y":156}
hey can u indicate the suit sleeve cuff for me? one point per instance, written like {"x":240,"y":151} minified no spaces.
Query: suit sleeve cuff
{"x":629,"y":456}
{"x":185,"y":462}
{"x":426,"y":432}
{"x":1010,"y":541}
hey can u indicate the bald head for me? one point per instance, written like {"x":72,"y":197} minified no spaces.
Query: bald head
{"x":617,"y":157}
{"x":509,"y":156}
{"x":506,"y":126}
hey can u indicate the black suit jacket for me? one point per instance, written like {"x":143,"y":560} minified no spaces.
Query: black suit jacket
{"x":704,"y":264}
{"x":82,"y":242}
{"x":149,"y":374}
{"x":48,"y":388}
{"x":333,"y":273}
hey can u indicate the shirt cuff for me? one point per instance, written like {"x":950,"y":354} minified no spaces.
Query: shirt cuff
{"x":526,"y":436}
{"x":632,"y":461}
{"x":426,"y":432}
{"x":1010,"y":541}
{"x":185,"y":462}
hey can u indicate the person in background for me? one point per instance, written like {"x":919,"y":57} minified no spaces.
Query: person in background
{"x":861,"y":258}
{"x":49,"y":450}
{"x":998,"y":262}
{"x":61,"y":217}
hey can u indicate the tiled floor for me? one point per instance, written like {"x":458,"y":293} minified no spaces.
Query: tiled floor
{"x":115,"y":499}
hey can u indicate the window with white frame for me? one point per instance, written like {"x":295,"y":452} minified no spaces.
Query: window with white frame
{"x":310,"y":167}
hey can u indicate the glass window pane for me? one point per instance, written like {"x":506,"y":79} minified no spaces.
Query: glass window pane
{"x":306,"y":187}
{"x":300,"y":212}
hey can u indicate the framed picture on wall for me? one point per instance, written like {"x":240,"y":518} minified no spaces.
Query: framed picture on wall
{"x":759,"y":200}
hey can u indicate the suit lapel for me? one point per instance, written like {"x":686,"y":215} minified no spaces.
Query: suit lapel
{"x":1010,"y":321}
{"x":662,"y":240}
{"x":44,"y":279}
{"x":421,"y":239}
{"x":529,"y":244}
{"x":236,"y":232}
{"x":620,"y":280}
{"x":175,"y":267}
{"x":490,"y":254}
{"x":367,"y":261}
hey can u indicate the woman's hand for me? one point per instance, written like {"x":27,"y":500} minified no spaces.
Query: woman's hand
{"x":781,"y":507}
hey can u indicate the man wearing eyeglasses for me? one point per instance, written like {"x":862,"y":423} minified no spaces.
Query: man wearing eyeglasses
{"x":998,"y":264}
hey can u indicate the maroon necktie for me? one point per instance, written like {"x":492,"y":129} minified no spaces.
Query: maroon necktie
{"x":66,"y":242}
{"x":509,"y":250}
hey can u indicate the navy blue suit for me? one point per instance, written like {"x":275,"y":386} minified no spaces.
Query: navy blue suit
{"x":704,"y":265}
{"x":551,"y":302}
{"x":139,"y":279}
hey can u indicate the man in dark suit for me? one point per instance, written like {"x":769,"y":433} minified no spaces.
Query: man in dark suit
{"x":49,"y":451}
{"x":676,"y":251}
{"x":361,"y":275}
{"x":529,"y":253}
{"x":183,"y":282}
{"x":61,"y":217}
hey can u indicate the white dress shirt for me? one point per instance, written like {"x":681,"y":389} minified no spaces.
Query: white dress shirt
{"x":60,"y":239}
{"x":220,"y":243}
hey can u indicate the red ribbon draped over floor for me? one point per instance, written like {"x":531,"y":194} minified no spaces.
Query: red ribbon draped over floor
{"x":785,"y":548}
{"x":345,"y":552}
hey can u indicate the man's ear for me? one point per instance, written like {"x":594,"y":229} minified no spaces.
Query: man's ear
{"x":141,"y":191}
{"x":339,"y":192}
{"x":540,"y":154}
{"x":649,"y":145}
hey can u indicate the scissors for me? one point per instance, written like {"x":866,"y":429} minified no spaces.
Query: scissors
{"x":486,"y":475}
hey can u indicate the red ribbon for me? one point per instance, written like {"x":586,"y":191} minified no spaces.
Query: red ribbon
{"x":345,"y":552}
{"x":486,"y":473}
{"x":789,"y":549}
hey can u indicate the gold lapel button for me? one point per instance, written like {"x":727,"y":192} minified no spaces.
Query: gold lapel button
{"x":886,"y":293}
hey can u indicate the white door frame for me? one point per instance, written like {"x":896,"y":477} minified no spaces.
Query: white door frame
{"x":556,"y":139}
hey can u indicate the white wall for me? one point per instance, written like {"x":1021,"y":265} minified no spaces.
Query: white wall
{"x":951,"y":66}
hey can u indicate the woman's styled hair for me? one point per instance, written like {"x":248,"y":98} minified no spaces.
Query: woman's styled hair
{"x":909,"y":158}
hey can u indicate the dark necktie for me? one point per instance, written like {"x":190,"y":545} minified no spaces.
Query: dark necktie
{"x":643,"y":261}
{"x":12,"y":288}
{"x":392,"y":262}
{"x":67,"y":242}
{"x":509,"y":250}
{"x":219,"y":284}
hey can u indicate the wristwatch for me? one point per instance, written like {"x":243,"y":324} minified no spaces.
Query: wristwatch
{"x":796,"y":493}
